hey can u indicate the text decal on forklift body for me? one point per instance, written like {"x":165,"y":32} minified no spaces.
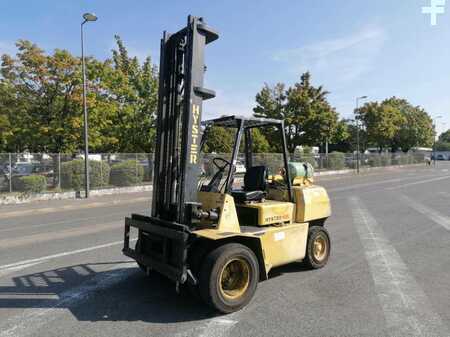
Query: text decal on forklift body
{"x":194,"y":133}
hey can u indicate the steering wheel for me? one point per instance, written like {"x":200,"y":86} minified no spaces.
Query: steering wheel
{"x":221,"y":165}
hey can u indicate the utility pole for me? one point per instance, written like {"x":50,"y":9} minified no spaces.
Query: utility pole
{"x":435,"y":136}
{"x":88,"y":17}
{"x":357,"y":133}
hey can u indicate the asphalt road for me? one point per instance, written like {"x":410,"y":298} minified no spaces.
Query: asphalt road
{"x":62,"y":272}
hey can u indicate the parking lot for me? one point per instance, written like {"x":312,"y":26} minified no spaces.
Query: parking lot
{"x":62,"y":271}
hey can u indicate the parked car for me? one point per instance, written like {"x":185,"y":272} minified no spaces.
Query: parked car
{"x":240,"y":168}
{"x":440,"y":157}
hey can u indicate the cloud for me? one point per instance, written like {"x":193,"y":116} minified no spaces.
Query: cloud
{"x":344,"y":58}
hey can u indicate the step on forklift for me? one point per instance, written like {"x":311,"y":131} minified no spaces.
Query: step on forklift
{"x":217,"y":239}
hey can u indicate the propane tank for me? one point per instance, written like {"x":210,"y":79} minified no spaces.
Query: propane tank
{"x":301,"y":170}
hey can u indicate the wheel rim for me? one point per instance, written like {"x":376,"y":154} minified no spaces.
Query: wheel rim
{"x":320,"y":248}
{"x":234,"y":278}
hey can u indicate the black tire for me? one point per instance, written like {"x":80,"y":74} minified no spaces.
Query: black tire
{"x":312,"y":259}
{"x":228,"y":259}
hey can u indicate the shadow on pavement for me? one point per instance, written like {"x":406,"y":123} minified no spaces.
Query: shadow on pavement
{"x":120,"y":294}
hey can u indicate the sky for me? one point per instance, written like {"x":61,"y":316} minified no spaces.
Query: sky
{"x":352,"y":48}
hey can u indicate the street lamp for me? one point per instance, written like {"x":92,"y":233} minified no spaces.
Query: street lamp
{"x":434,"y":143}
{"x":88,"y":17}
{"x":357,"y":132}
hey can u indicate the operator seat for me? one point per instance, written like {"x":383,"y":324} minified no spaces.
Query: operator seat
{"x":254,"y":185}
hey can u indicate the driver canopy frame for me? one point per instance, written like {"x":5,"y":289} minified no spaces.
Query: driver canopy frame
{"x":243,"y":126}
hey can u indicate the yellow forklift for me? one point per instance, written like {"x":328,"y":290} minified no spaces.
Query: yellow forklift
{"x":216,"y":237}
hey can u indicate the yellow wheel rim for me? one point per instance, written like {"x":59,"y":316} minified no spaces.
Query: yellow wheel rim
{"x":234,"y":278}
{"x":320,"y":248}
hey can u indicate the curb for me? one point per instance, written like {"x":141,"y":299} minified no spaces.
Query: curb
{"x":27,"y":198}
{"x":362,"y":170}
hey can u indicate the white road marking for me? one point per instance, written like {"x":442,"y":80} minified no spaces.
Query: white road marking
{"x":215,"y":327}
{"x":218,"y":327}
{"x":406,"y":307}
{"x":69,"y":221}
{"x":352,"y":187}
{"x":7,"y":271}
{"x":434,"y":215}
{"x":71,"y":207}
{"x":418,"y":182}
{"x":30,"y":320}
{"x":55,"y":256}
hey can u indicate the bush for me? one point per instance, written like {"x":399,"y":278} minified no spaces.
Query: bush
{"x":30,"y":184}
{"x":336,"y":161}
{"x":72,"y":174}
{"x":127,"y":173}
{"x":375,"y":161}
{"x":386,"y":160}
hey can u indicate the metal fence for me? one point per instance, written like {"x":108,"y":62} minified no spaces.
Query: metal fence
{"x":38,"y":172}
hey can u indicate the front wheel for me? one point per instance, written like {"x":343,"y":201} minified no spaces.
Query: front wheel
{"x":229,"y":277}
{"x":317,"y":247}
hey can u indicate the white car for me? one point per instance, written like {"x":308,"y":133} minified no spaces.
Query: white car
{"x":240,"y":168}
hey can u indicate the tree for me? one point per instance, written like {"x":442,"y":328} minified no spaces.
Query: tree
{"x":396,"y":124}
{"x":219,"y":140}
{"x":134,"y":89}
{"x":271,"y":103}
{"x":347,"y":135}
{"x":417,"y":127}
{"x":45,"y":106}
{"x":260,"y":143}
{"x":444,"y":141}
{"x":442,"y":146}
{"x":41,"y":102}
{"x":309,"y":118}
{"x":445,"y":137}
{"x":381,"y":122}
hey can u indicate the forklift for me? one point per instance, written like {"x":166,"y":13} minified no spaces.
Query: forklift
{"x":217,"y":239}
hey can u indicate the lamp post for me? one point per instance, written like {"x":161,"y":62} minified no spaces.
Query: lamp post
{"x":434,"y":143}
{"x":357,"y":132}
{"x":88,"y":17}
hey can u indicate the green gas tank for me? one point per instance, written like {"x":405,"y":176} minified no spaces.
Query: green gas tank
{"x":301,"y":170}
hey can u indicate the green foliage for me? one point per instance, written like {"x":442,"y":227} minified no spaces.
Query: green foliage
{"x":219,"y":140}
{"x":445,"y":137}
{"x":381,"y":121}
{"x":30,"y":184}
{"x":378,"y":160}
{"x":309,"y":118}
{"x":72,"y":174}
{"x":41,"y":102}
{"x":127,"y":173}
{"x":260,"y":143}
{"x":442,"y":146}
{"x":396,"y":124}
{"x":417,"y":127}
{"x":336,"y":160}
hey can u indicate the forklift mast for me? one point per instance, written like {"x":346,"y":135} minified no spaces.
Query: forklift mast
{"x":181,"y":94}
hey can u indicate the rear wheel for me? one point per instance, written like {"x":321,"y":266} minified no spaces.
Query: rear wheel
{"x":317,"y":247}
{"x":229,"y":277}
